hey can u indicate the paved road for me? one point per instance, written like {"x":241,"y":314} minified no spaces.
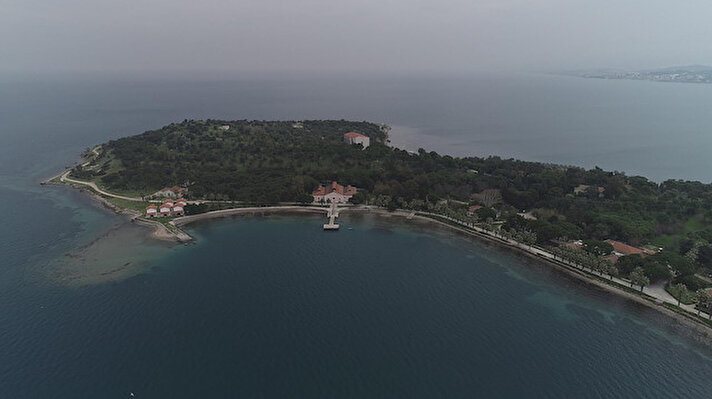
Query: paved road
{"x":96,"y":188}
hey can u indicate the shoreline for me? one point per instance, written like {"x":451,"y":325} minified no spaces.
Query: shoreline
{"x":160,"y":231}
{"x":702,"y":331}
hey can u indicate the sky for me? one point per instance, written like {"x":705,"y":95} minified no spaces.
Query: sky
{"x":352,"y":35}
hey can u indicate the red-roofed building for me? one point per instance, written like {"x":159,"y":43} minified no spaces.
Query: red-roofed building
{"x":181,"y":202}
{"x":151,"y":211}
{"x":357,"y":138}
{"x":334,"y":192}
{"x":178,"y":210}
{"x":622,"y":249}
{"x":165,"y":210}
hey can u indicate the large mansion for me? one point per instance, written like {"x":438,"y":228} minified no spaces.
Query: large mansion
{"x":334,"y":192}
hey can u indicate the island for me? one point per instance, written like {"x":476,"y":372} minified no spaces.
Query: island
{"x":646,"y":240}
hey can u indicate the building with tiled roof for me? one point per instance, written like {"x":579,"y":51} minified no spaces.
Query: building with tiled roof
{"x":622,"y":249}
{"x":165,"y":210}
{"x":357,"y":138}
{"x":178,"y":210}
{"x":334,"y":192}
{"x":151,"y":211}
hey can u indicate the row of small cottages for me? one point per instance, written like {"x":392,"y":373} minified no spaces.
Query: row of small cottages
{"x":167,"y":208}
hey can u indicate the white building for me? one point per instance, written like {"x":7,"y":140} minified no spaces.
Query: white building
{"x":151,"y":211}
{"x":357,"y":138}
{"x":334,"y":192}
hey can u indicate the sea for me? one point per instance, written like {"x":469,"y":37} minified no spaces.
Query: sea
{"x":271,"y":306}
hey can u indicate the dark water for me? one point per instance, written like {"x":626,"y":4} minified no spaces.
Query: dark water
{"x":273,"y":307}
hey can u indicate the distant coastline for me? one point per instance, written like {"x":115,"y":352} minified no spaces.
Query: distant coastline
{"x":700,"y":74}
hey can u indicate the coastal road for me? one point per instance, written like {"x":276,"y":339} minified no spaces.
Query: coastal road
{"x":96,"y":188}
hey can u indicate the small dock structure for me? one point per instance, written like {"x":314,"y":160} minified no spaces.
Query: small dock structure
{"x":332,"y":214}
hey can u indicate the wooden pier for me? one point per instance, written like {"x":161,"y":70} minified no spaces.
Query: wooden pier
{"x":332,"y":214}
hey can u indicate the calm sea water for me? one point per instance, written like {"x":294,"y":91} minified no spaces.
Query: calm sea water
{"x":273,"y":307}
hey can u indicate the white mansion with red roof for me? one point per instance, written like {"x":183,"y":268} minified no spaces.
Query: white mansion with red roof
{"x":167,"y":208}
{"x":357,"y":138}
{"x":334,"y":192}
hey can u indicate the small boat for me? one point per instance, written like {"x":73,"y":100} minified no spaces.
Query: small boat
{"x":351,"y":228}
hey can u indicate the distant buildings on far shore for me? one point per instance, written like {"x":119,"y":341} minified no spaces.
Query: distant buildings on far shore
{"x":334,"y":192}
{"x":357,"y":138}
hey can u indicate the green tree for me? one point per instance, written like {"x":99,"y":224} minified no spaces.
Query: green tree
{"x":677,"y":291}
{"x":598,"y":247}
{"x":638,"y":278}
{"x":703,"y":301}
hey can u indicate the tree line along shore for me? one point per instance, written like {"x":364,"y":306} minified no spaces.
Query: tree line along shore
{"x":624,"y":227}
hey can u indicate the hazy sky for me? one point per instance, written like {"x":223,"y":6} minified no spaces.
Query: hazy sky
{"x":348,"y":35}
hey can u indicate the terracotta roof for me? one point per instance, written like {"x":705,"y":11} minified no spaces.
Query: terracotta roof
{"x":623,"y":248}
{"x":151,"y":207}
{"x":334,"y":187}
{"x":474,"y":208}
{"x":354,"y":135}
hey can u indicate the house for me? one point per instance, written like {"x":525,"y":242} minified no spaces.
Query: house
{"x":357,"y":138}
{"x":225,"y":127}
{"x":169,"y":203}
{"x":165,"y":210}
{"x":181,"y":202}
{"x":151,"y":211}
{"x":623,"y":249}
{"x":334,"y":192}
{"x":171,"y":192}
{"x":178,"y":210}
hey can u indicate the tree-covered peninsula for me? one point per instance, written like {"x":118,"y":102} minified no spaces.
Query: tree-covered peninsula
{"x":262,"y":162}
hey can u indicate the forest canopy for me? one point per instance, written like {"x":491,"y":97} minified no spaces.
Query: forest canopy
{"x":269,"y":162}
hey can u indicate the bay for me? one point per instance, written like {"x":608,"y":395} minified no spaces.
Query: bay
{"x":273,"y":307}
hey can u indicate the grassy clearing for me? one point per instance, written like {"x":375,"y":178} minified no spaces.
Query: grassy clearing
{"x":672,"y":241}
{"x":125,"y":204}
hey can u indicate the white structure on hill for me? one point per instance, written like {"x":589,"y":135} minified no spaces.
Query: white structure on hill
{"x":357,"y":138}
